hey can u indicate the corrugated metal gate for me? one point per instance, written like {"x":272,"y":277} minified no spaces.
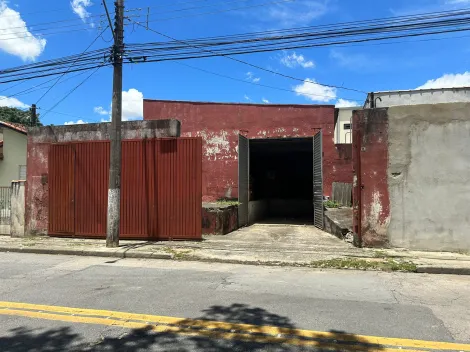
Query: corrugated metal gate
{"x":161,"y":189}
{"x":318,"y":180}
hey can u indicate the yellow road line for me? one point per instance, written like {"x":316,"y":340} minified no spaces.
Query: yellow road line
{"x":190,"y":332}
{"x":231,"y":327}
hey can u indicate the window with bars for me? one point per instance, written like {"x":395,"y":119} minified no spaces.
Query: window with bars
{"x":347,"y":126}
{"x":22,"y":173}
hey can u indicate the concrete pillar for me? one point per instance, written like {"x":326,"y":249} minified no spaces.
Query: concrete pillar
{"x":17,"y":213}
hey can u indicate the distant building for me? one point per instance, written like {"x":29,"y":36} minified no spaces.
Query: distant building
{"x":417,"y":97}
{"x":343,"y":126}
{"x":13,"y":141}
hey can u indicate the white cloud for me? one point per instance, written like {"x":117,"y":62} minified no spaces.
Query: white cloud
{"x":79,"y":122}
{"x":298,"y":13}
{"x":295,"y":60}
{"x":132,"y":106}
{"x":247,"y":97}
{"x":265,"y":101}
{"x":315,"y":92}
{"x":100,"y":110}
{"x":251,"y":77}
{"x":343,"y":103}
{"x":79,"y":7}
{"x":448,"y":80}
{"x":18,"y":39}
{"x":12,"y":103}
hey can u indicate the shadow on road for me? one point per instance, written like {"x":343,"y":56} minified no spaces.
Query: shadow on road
{"x":237,"y":327}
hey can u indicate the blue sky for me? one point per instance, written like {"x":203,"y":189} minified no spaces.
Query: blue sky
{"x":408,"y":64}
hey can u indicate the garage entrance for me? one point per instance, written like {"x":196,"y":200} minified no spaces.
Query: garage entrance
{"x":280,"y":181}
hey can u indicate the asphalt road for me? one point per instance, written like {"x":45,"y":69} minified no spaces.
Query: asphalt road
{"x":304,"y":309}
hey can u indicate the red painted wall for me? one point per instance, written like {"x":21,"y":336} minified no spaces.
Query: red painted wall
{"x":371,"y":199}
{"x":219,"y":124}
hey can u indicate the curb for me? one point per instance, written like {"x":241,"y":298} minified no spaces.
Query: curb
{"x":442,"y":270}
{"x":88,"y":253}
{"x":422,"y":269}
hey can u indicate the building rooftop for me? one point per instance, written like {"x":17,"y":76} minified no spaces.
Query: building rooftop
{"x":239,"y":103}
{"x":426,"y":90}
{"x":14,"y":126}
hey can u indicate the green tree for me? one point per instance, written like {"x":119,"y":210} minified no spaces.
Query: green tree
{"x":15,"y":115}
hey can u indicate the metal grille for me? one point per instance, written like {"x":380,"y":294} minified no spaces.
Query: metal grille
{"x":22,"y":172}
{"x":243,"y":180}
{"x":318,"y":180}
{"x":5,"y":205}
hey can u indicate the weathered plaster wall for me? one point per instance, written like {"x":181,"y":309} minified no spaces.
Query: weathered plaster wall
{"x":429,"y":176}
{"x":39,"y":141}
{"x":18,"y":209}
{"x":370,"y":187}
{"x":219,"y":124}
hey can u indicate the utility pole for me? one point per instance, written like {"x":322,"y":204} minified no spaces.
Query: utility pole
{"x":114,"y":190}
{"x":34,"y":116}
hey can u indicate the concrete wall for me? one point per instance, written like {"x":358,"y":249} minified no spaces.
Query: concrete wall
{"x":429,"y":176}
{"x":14,"y":155}
{"x":219,"y":219}
{"x":39,"y":141}
{"x":220,"y":124}
{"x":371,"y":201}
{"x":342,"y":135}
{"x":18,"y":209}
{"x":412,"y":176}
{"x":420,"y":96}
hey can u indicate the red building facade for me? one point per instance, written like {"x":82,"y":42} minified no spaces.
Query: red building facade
{"x":219,"y":124}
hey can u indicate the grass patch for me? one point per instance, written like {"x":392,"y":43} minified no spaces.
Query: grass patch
{"x":331,"y":204}
{"x":178,"y":254}
{"x":364,"y":264}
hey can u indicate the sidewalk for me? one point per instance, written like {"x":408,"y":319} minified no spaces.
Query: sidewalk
{"x":258,"y":245}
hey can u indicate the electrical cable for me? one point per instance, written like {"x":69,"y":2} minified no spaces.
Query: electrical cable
{"x":74,"y":89}
{"x":63,"y":74}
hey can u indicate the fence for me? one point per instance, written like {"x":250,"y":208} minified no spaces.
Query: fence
{"x":5,"y":205}
{"x":342,"y":193}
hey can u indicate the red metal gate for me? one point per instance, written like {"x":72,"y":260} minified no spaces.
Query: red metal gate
{"x":161,"y":189}
{"x":61,"y":189}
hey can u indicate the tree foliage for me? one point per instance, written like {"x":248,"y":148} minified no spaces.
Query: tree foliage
{"x":15,"y":115}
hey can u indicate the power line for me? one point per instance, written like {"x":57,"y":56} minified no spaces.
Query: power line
{"x":74,"y":89}
{"x":255,"y":66}
{"x":258,"y":84}
{"x":63,"y":74}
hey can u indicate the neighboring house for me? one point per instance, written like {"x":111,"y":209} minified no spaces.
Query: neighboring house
{"x":416,"y":97}
{"x":343,"y":127}
{"x":13,"y":142}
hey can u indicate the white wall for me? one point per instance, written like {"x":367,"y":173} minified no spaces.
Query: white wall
{"x":421,"y":96}
{"x":342,"y":135}
{"x":14,"y":155}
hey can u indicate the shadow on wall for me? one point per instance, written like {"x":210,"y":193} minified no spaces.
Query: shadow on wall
{"x":266,"y":332}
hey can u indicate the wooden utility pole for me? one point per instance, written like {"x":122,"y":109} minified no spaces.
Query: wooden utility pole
{"x":114,"y":190}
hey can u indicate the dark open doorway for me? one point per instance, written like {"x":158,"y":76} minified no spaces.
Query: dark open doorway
{"x":281,"y":181}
